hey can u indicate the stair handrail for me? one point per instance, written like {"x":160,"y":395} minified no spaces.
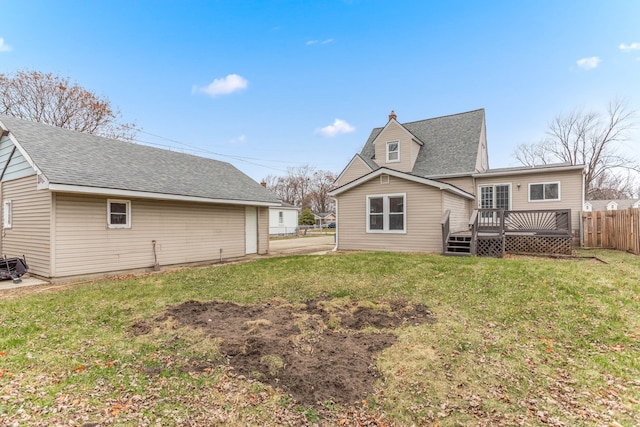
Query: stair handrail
{"x":445,"y":222}
{"x":473,"y":226}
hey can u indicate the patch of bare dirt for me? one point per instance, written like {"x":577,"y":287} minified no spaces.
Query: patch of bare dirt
{"x":318,"y":352}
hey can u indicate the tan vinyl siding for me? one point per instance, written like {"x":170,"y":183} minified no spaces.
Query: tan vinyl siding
{"x":570,"y":191}
{"x":464,"y":183}
{"x":423,"y":210}
{"x":263,"y":231}
{"x":30,"y":232}
{"x":459,"y":208}
{"x":354,"y":170}
{"x":408,"y":148}
{"x":184,"y":232}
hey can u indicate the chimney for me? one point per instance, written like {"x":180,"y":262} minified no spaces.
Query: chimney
{"x":263,"y":183}
{"x":393,"y":115}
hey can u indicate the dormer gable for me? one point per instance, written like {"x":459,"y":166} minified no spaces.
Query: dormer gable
{"x":612,"y":206}
{"x":395,"y":147}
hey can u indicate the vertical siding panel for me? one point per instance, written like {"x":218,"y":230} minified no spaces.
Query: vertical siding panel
{"x":184,"y":232}
{"x":30,"y":231}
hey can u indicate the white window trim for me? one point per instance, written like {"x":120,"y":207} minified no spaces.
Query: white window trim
{"x":543,"y":199}
{"x":7,"y":214}
{"x":387,"y":148}
{"x":280,"y":218}
{"x":385,"y":213}
{"x":508,"y":184}
{"x":128,"y":213}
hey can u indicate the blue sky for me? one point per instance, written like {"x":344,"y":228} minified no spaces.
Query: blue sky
{"x":273,"y":84}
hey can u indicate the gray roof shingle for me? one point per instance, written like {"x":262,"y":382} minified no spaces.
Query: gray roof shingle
{"x":73,"y":158}
{"x":450,"y":143}
{"x":622,"y":204}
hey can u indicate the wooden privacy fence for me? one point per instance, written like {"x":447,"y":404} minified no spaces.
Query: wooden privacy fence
{"x":612,"y":230}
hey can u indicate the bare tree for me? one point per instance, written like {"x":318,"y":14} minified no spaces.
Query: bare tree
{"x":51,"y":99}
{"x":611,"y":186}
{"x":592,"y":139}
{"x":322,"y":183}
{"x":304,"y":187}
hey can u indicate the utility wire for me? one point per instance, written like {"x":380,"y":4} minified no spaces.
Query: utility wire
{"x":203,"y":150}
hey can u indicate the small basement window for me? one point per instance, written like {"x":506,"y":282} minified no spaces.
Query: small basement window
{"x":119,"y":213}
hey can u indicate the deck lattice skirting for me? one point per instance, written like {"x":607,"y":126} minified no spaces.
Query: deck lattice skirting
{"x":562,"y":245}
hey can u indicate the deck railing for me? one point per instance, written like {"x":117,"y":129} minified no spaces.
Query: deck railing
{"x":496,"y":231}
{"x":445,"y":222}
{"x":539,"y":222}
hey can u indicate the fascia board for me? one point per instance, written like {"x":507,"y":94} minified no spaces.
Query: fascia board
{"x":408,"y":177}
{"x":65,"y":188}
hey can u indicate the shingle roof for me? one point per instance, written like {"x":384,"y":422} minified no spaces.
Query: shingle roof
{"x":73,"y":158}
{"x":450,"y":143}
{"x":622,"y":204}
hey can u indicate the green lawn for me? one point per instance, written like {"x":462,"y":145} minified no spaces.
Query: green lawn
{"x":516,"y":341}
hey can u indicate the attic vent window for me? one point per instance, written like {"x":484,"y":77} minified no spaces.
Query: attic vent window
{"x":393,"y":151}
{"x":384,"y":179}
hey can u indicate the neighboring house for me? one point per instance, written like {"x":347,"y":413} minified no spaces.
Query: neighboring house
{"x":393,"y":194}
{"x":283,"y":219}
{"x":324,"y":218}
{"x":611,"y":205}
{"x":77,"y":204}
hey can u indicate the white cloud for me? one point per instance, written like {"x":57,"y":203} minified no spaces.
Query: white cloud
{"x":224,"y":86}
{"x":312,"y":42}
{"x":588,"y":63}
{"x":338,"y":126}
{"x":239,"y":140}
{"x":3,"y":46}
{"x":629,"y":47}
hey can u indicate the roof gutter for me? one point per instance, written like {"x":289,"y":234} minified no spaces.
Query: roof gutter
{"x":527,"y":171}
{"x":65,"y":188}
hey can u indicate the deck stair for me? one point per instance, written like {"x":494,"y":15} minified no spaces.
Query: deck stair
{"x":459,"y":245}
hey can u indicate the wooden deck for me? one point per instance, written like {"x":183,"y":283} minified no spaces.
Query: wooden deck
{"x":494,"y":232}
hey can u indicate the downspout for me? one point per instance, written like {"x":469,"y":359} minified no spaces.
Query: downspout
{"x":337,"y":227}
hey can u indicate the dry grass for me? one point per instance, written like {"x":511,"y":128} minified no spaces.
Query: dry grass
{"x":518,"y":341}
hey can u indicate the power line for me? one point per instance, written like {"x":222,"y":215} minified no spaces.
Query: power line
{"x":193,"y":148}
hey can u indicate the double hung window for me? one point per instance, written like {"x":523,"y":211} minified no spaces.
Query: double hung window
{"x":386,"y":213}
{"x":393,"y":151}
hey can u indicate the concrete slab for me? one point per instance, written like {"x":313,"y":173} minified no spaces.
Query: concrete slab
{"x":26,"y":281}
{"x":302,"y":245}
